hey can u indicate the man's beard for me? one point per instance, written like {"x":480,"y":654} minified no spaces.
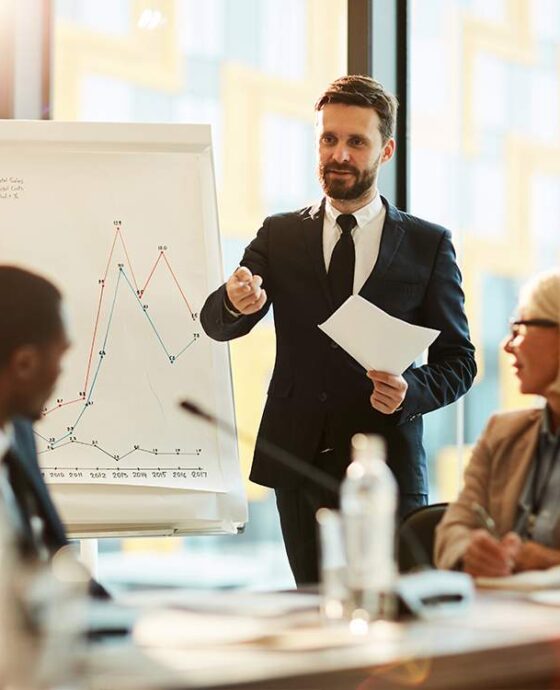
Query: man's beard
{"x":338,"y":189}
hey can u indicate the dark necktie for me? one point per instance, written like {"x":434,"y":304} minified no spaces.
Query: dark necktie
{"x":343,"y":259}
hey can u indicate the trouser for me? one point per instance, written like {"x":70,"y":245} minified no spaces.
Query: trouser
{"x":297,"y":508}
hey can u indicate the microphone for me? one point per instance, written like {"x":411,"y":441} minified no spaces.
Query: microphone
{"x":294,"y":463}
{"x":275,"y":452}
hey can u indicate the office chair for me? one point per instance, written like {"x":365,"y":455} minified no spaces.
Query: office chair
{"x":415,"y":537}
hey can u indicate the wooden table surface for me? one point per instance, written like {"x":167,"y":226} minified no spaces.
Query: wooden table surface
{"x":502,"y":641}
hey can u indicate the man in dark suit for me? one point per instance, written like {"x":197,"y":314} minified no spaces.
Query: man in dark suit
{"x":306,"y":263}
{"x":32,"y":343}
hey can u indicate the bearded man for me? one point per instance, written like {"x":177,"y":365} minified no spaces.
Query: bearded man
{"x":307,"y":263}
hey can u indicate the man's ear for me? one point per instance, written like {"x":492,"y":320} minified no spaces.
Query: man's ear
{"x":388,"y":150}
{"x":24,"y":362}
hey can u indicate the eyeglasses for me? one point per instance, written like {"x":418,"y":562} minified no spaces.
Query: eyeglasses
{"x":515,"y":325}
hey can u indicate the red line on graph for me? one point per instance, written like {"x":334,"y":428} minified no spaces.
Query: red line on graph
{"x":59,"y":405}
{"x":177,"y":283}
{"x":84,"y":388}
{"x":162,"y":254}
{"x":117,"y":233}
{"x":143,"y":290}
{"x":129,"y":262}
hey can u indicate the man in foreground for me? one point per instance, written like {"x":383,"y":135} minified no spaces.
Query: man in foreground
{"x":33,"y":340}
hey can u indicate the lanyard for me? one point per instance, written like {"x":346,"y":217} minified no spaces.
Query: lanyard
{"x":537,"y":496}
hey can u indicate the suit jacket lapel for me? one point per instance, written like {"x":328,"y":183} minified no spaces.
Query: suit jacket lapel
{"x":15,"y":505}
{"x":391,"y":238}
{"x":54,"y":530}
{"x":313,"y":234}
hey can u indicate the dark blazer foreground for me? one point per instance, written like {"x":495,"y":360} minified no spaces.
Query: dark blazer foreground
{"x":318,"y":394}
{"x":24,"y":454}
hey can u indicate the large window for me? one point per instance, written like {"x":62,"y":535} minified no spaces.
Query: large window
{"x":253,"y":70}
{"x":485,"y":162}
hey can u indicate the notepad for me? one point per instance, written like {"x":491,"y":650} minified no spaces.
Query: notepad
{"x":529,"y":581}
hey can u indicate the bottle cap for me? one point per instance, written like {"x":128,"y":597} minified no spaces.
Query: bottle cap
{"x":368,"y":446}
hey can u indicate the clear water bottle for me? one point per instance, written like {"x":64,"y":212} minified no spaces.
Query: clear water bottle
{"x":368,"y":505}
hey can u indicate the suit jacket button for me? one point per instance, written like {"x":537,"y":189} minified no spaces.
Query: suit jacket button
{"x":334,"y":345}
{"x":323,"y":397}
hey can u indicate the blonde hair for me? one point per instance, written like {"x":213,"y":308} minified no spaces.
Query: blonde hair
{"x":540,"y":299}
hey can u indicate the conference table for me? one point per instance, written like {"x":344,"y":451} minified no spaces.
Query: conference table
{"x":503,"y":640}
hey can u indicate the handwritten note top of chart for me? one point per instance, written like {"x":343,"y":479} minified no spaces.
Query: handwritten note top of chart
{"x":375,"y":339}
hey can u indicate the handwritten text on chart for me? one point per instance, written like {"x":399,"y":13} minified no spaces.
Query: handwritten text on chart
{"x":11,"y":187}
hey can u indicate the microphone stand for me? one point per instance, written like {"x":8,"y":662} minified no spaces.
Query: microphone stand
{"x":417,"y":591}
{"x":278,"y":454}
{"x":294,"y":463}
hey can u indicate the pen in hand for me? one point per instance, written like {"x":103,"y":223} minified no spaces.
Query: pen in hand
{"x":485,"y":520}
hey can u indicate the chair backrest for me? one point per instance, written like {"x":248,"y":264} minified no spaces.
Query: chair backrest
{"x":415,"y":537}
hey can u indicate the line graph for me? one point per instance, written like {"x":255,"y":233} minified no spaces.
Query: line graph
{"x":119,"y":473}
{"x":126,"y":282}
{"x":135,"y":448}
{"x":138,"y":293}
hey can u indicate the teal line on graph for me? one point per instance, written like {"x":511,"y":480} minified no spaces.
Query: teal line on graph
{"x":172,"y":358}
{"x":103,"y":351}
{"x":143,"y":308}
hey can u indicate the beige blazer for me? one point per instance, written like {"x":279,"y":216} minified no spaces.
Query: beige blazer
{"x":494,"y":478}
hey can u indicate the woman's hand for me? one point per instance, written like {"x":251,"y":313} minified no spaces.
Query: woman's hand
{"x":487,"y":557}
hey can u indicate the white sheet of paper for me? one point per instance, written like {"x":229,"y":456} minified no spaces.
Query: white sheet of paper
{"x":527,"y":581}
{"x":375,"y":339}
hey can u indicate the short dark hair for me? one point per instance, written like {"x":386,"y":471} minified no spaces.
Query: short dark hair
{"x":356,"y":89}
{"x":29,"y":310}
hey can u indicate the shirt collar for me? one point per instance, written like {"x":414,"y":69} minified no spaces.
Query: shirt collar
{"x":363,"y":215}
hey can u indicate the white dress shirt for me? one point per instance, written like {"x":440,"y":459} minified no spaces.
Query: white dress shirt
{"x":6,"y":436}
{"x":366,"y":235}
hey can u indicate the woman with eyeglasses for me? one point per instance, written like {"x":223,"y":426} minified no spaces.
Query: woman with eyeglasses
{"x":507,"y":517}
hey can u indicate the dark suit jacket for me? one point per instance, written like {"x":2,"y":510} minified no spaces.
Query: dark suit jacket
{"x":24,"y":454}
{"x":318,"y":394}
